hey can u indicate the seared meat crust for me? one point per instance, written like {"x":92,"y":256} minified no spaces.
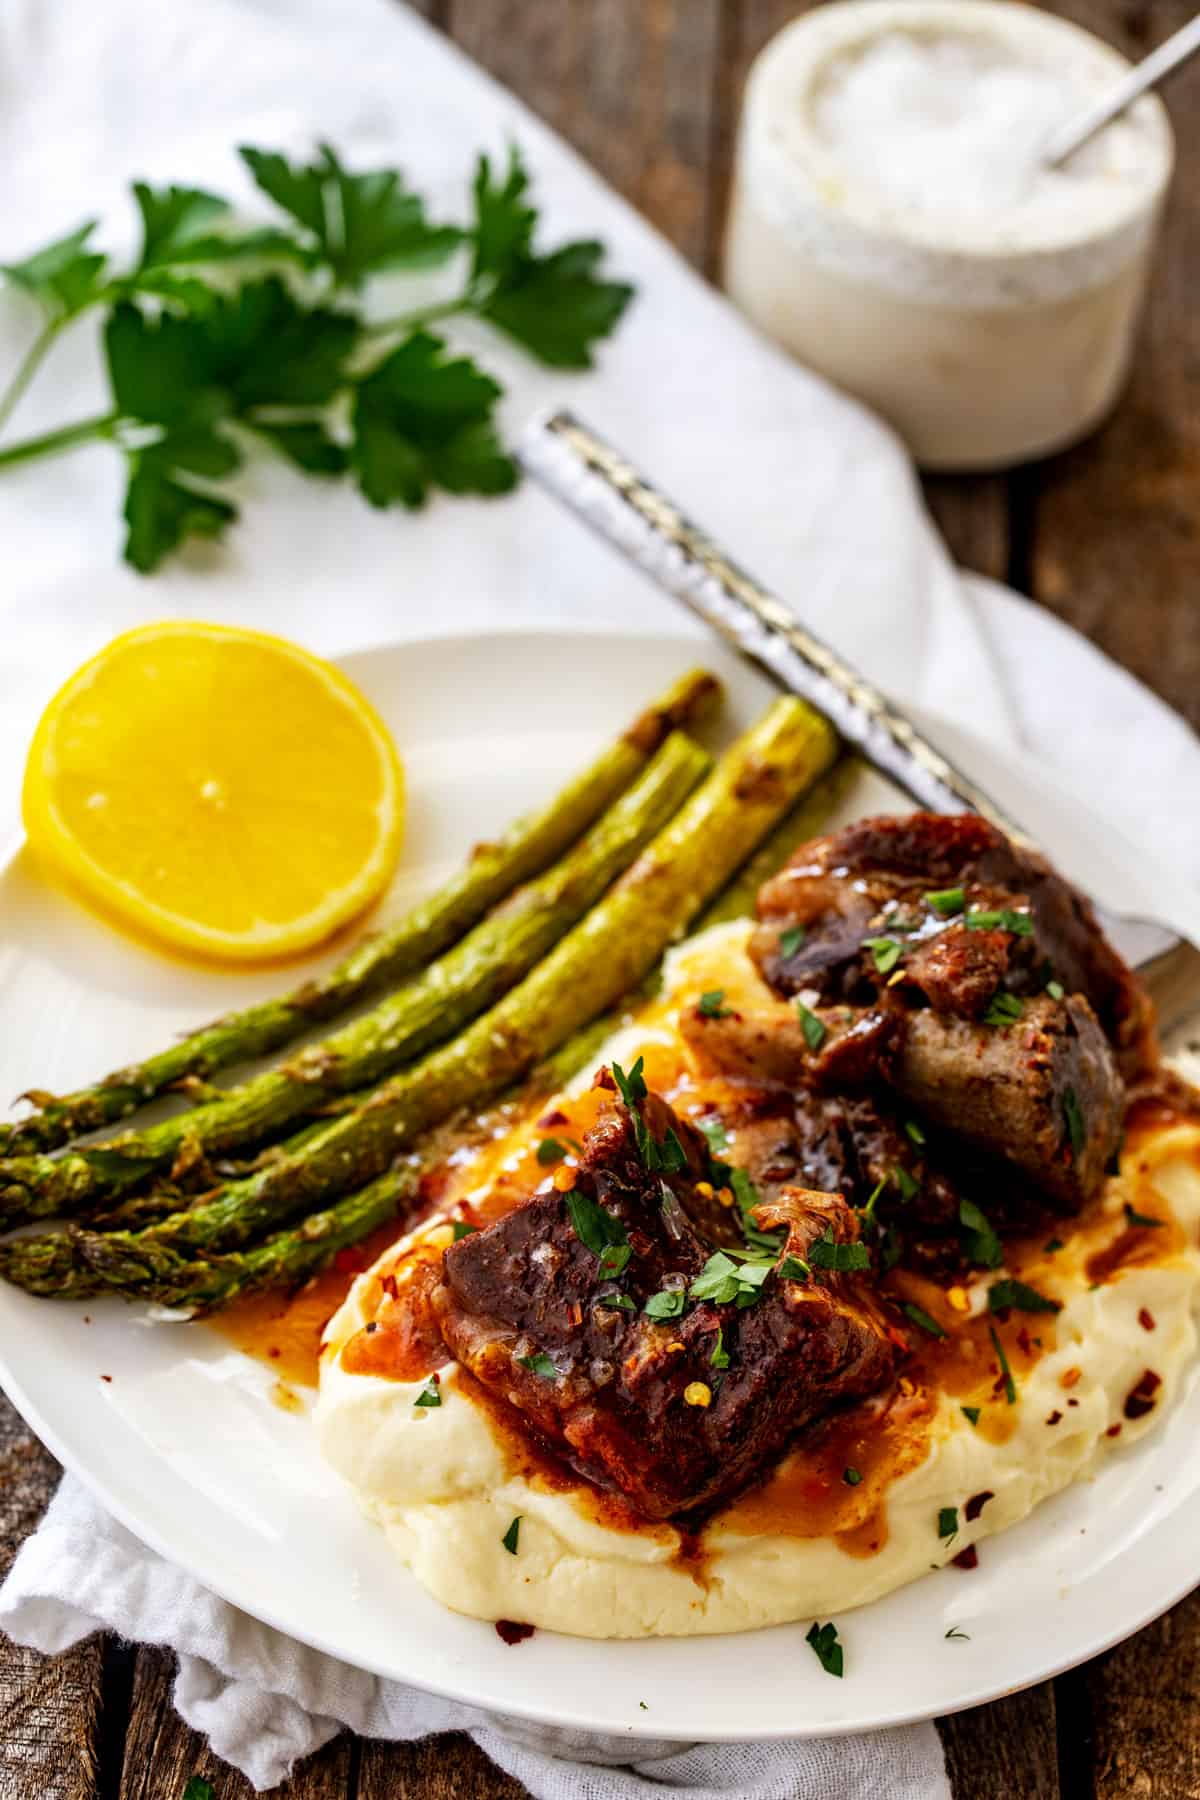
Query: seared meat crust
{"x":637,"y":1404}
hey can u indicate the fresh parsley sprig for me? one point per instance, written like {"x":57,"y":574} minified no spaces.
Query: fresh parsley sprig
{"x":218,"y":336}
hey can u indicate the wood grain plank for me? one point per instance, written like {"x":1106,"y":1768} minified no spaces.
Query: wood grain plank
{"x":1116,"y":548}
{"x":1005,"y":1751}
{"x":49,"y":1707}
{"x":161,"y":1752}
{"x":628,"y":82}
{"x":1145,"y":1711}
{"x":442,"y":1768}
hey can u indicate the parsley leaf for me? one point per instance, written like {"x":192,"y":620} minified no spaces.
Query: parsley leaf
{"x":1003,"y":1009}
{"x":814,"y":1031}
{"x":1133,"y":1217}
{"x":354,"y":224}
{"x":712,"y":1005}
{"x":714,"y":1130}
{"x":551,"y":1150}
{"x":979,"y":1239}
{"x":64,"y":277}
{"x":599,"y":1232}
{"x":851,"y":1476}
{"x":915,"y":1133}
{"x":920,"y":1317}
{"x":827,"y":1650}
{"x":176,"y":228}
{"x":1018,"y":923}
{"x":512,"y":1536}
{"x":668,"y":1304}
{"x":461,"y":1229}
{"x":720,"y":1355}
{"x":1056,"y":990}
{"x":539,"y":1364}
{"x":826,"y":1254}
{"x":946,"y":901}
{"x":632,"y":1087}
{"x":1010,"y":1386}
{"x":423,"y":419}
{"x":791,"y":940}
{"x":198,"y":1789}
{"x":1073,"y":1115}
{"x":885,"y":951}
{"x":617,"y":1302}
{"x":971,"y":1413}
{"x":1010,"y":1293}
{"x":948,"y":1522}
{"x":556,"y":306}
{"x":430,"y":1394}
{"x":794,"y":1268}
{"x":161,"y":511}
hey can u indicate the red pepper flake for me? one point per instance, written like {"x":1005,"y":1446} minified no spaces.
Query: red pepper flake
{"x":1072,"y":1403}
{"x":511,"y":1632}
{"x":1023,"y":1341}
{"x":1146,"y":1319}
{"x":1141,"y":1397}
{"x":976,"y":1504}
{"x":274,"y":1351}
{"x":556,"y":1116}
{"x":388,"y":1284}
{"x":1054,"y":1417}
{"x":605,"y":1079}
{"x":106,"y":1378}
{"x":966,"y":1559}
{"x":1114,"y":1430}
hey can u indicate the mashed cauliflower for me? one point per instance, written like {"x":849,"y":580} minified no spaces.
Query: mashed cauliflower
{"x":443,"y":1483}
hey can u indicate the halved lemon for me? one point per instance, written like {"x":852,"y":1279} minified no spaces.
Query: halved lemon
{"x":218,"y":788}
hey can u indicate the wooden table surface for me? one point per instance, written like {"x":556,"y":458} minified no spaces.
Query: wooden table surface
{"x":1108,"y":537}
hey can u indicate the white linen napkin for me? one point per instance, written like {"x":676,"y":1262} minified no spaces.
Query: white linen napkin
{"x":818,"y":497}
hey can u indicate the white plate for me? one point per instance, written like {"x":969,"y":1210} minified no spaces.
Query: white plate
{"x":185,"y":1446}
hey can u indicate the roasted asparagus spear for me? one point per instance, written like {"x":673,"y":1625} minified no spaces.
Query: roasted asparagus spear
{"x":530,"y":845}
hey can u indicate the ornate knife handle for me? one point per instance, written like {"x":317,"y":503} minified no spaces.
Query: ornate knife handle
{"x":597,"y":483}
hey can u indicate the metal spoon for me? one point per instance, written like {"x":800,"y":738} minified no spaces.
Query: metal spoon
{"x":1080,"y":130}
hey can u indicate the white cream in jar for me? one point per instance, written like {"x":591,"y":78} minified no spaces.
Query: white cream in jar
{"x":892,"y":222}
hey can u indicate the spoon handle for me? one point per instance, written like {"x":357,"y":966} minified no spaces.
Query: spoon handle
{"x":596,"y":483}
{"x":1078,"y":131}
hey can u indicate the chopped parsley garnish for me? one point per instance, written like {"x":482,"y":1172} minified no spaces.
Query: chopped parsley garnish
{"x":1010,"y":1386}
{"x":720,"y":1355}
{"x":1019,"y":923}
{"x":198,"y":1789}
{"x":632,"y":1086}
{"x":619,"y":1302}
{"x":920,"y":1317}
{"x":551,"y":1150}
{"x":842,"y":1258}
{"x":714,"y":1130}
{"x":908,"y":1184}
{"x":868,"y":1211}
{"x":461,"y":1229}
{"x":668,"y":1304}
{"x":712,"y":1005}
{"x":915,"y":1133}
{"x":971,"y":1413}
{"x":747,"y":1197}
{"x":1052,"y":1245}
{"x":814,"y":1032}
{"x":794,"y":1268}
{"x":791,"y":940}
{"x":1056,"y":990}
{"x":722,"y":1280}
{"x":826,"y":1649}
{"x":511,"y":1536}
{"x":948,"y":1522}
{"x":851,"y":1477}
{"x":1074,"y":1117}
{"x":1003,"y":1009}
{"x":430,"y":1394}
{"x":1004,"y":1294}
{"x":946,"y":902}
{"x":957,"y":1636}
{"x":1134,"y":1217}
{"x":603,"y":1235}
{"x":539,"y":1365}
{"x":979,"y":1240}
{"x":672,"y":1155}
{"x":885,"y":952}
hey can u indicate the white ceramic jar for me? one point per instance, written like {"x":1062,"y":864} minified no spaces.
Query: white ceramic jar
{"x":892,"y":224}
